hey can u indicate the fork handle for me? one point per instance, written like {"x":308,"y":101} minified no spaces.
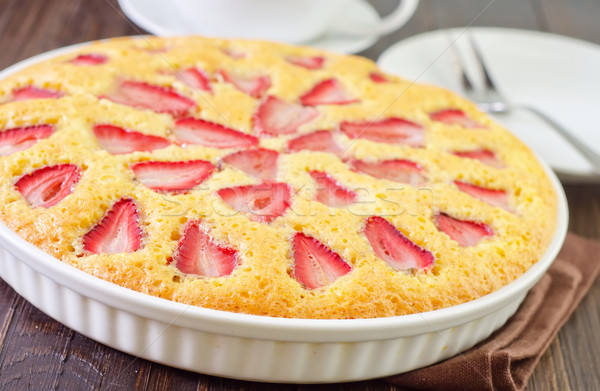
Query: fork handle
{"x":591,"y":156}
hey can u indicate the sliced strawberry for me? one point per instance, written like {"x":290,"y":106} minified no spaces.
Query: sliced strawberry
{"x":210,"y":134}
{"x":262,"y":203}
{"x":315,"y":265}
{"x":19,"y":139}
{"x":30,"y":92}
{"x":275,"y":116}
{"x":466,"y":233}
{"x":195,"y":78}
{"x":391,"y":131}
{"x":330,"y":192}
{"x":315,"y":62}
{"x":493,"y":197}
{"x":259,"y":163}
{"x":198,"y":253}
{"x":47,"y":186}
{"x":394,"y":247}
{"x":89,"y":59}
{"x":255,"y":86}
{"x":117,"y":232}
{"x":455,"y":117}
{"x":172,"y":176}
{"x":321,"y":141}
{"x":117,"y":140}
{"x":147,"y":96}
{"x":327,"y":92}
{"x":378,"y":77}
{"x":485,"y":156}
{"x":234,"y":53}
{"x":397,"y":170}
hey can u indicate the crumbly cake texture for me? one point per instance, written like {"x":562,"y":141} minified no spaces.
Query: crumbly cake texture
{"x":460,"y":145}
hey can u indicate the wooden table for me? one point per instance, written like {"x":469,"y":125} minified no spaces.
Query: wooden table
{"x":38,"y":353}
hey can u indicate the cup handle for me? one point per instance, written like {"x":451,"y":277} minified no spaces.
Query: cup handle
{"x":385,"y":25}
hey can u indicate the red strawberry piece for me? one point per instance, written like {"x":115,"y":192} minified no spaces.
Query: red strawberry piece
{"x":31,"y":92}
{"x":259,"y":163}
{"x":378,"y":77}
{"x":275,"y":116}
{"x":233,"y":53}
{"x":198,"y":253}
{"x":117,"y":232}
{"x":262,"y":203}
{"x":89,"y":59}
{"x":321,"y":141}
{"x":147,"y":96}
{"x":493,"y":197}
{"x":195,"y":78}
{"x":19,"y":139}
{"x":397,"y":170}
{"x":485,"y":156}
{"x":466,"y":233}
{"x":210,"y":134}
{"x":327,"y":92}
{"x":391,"y":131}
{"x":255,"y":86}
{"x":315,"y":265}
{"x":117,"y":140}
{"x":455,"y":117}
{"x":315,"y":62}
{"x":47,"y":186}
{"x":330,"y":192}
{"x":172,"y":176}
{"x":394,"y":247}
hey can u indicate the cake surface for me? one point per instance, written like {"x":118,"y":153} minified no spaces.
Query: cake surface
{"x":266,"y":179}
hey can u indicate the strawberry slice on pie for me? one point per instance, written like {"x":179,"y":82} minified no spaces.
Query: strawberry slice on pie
{"x":30,"y":92}
{"x":320,"y":141}
{"x":89,"y":59}
{"x":19,"y":139}
{"x":195,"y":78}
{"x":259,"y":163}
{"x":466,"y":233}
{"x":199,"y":254}
{"x":255,"y":86}
{"x":48,"y":186}
{"x":485,"y":156}
{"x":455,"y":117}
{"x":378,"y":77}
{"x":330,"y":192}
{"x":275,"y":116}
{"x":210,"y":134}
{"x":308,"y":62}
{"x":117,"y":140}
{"x":327,"y":92}
{"x":493,"y":197}
{"x":397,"y":170}
{"x":117,"y":232}
{"x":394,"y":247}
{"x":262,"y":203}
{"x":173,"y":177}
{"x":316,"y":265}
{"x":152,"y":97}
{"x":390,"y":130}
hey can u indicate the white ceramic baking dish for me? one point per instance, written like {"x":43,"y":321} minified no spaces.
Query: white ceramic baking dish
{"x":254,"y":347}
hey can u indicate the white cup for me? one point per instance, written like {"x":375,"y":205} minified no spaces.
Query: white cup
{"x":293,"y":21}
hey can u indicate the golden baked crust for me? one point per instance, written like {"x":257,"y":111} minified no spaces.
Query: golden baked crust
{"x":262,"y":283}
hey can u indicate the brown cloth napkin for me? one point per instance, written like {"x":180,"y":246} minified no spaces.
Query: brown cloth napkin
{"x":506,"y":360}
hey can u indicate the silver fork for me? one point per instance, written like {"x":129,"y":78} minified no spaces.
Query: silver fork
{"x":490,"y":100}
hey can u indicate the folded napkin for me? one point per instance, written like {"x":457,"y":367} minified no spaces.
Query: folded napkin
{"x":506,"y":360}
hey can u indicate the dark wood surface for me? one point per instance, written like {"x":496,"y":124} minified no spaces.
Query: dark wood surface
{"x":38,"y":353}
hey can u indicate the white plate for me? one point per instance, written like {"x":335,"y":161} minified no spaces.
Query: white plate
{"x":161,"y":20}
{"x":251,"y":347}
{"x":556,"y":74}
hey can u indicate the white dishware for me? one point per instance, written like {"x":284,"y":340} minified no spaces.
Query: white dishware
{"x":252,"y":347}
{"x":556,"y":74}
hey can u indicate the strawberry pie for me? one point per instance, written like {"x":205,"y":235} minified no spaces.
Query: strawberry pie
{"x":266,"y":179}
